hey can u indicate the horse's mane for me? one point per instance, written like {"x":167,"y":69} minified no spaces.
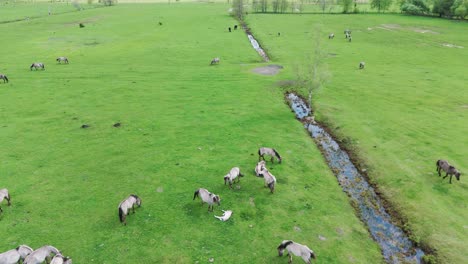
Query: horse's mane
{"x":285,"y":244}
{"x":277,"y":154}
{"x":135,"y":196}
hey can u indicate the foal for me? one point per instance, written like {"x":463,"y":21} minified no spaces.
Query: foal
{"x":4,"y":78}
{"x":60,"y":59}
{"x":232,"y":175}
{"x":270,"y":180}
{"x":126,"y":205}
{"x":39,"y":255}
{"x":269,"y":152}
{"x":15,"y":255}
{"x":59,"y":259}
{"x":297,"y":249}
{"x":449,"y":170}
{"x":207,"y":197}
{"x":4,"y":195}
{"x":37,"y":65}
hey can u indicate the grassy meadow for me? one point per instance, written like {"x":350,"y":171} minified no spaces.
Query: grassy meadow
{"x":405,"y":110}
{"x":184,"y":125}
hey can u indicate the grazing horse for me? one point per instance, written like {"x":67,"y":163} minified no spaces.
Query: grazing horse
{"x":214,"y":61}
{"x":39,"y":255}
{"x":269,"y":152}
{"x":4,"y":195}
{"x":347,"y":32}
{"x":4,"y":78}
{"x":331,"y":36}
{"x":270,"y":180}
{"x":361,"y":65}
{"x":229,"y":29}
{"x":259,"y":168}
{"x":232,"y":175}
{"x":207,"y":197}
{"x":235,"y":27}
{"x":59,"y":259}
{"x":449,"y":170}
{"x":126,"y":205}
{"x":15,"y":255}
{"x":297,"y":249}
{"x":60,"y":59}
{"x":37,"y":65}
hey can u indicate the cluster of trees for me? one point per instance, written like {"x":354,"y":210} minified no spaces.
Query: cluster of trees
{"x":442,"y":8}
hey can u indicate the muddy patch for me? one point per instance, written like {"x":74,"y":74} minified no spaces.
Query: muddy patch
{"x":268,"y":70}
{"x":391,"y":26}
{"x":448,"y":45}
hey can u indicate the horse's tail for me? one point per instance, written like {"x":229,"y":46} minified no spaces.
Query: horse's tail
{"x":121,"y":215}
{"x":196,"y":194}
{"x":312,"y":255}
{"x":277,"y":155}
{"x":6,"y":78}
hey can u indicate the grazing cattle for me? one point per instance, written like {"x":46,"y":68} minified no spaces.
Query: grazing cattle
{"x":4,"y":78}
{"x":259,"y":168}
{"x":227,"y":214}
{"x":235,"y":27}
{"x":232,"y":175}
{"x":449,"y":170}
{"x":39,"y":255}
{"x":297,"y":249}
{"x":15,"y":255}
{"x":60,"y":59}
{"x":331,"y":36}
{"x":37,"y":65}
{"x":207,"y":197}
{"x":59,"y":259}
{"x":214,"y":61}
{"x":270,"y":180}
{"x":361,"y":65}
{"x":229,"y":28}
{"x":126,"y":205}
{"x":4,"y":195}
{"x":269,"y":152}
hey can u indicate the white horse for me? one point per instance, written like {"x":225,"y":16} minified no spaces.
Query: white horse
{"x":4,"y":78}
{"x":270,"y":180}
{"x":297,"y":249}
{"x":126,"y":205}
{"x":37,"y":65}
{"x":15,"y":255}
{"x":331,"y":36}
{"x":269,"y":152}
{"x":259,"y":168}
{"x":62,"y":59}
{"x":226,"y":215}
{"x":39,"y":255}
{"x":232,"y":175}
{"x":362,"y":65}
{"x":207,"y":197}
{"x":214,"y":61}
{"x":4,"y":195}
{"x":59,"y":259}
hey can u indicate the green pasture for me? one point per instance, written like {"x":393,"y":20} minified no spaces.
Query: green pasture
{"x":184,"y":125}
{"x":405,"y":110}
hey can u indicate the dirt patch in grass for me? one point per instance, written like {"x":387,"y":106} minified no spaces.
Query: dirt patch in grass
{"x":268,"y":70}
{"x":448,"y":45}
{"x":391,"y":26}
{"x":423,"y":30}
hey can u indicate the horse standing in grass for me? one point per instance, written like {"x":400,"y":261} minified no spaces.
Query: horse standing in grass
{"x":62,"y":59}
{"x":331,"y":36}
{"x":15,"y":255}
{"x":126,"y":205}
{"x":39,"y":255}
{"x":207,"y":197}
{"x":4,"y":78}
{"x":297,"y":249}
{"x":37,"y":65}
{"x":59,"y":259}
{"x":214,"y":61}
{"x":232,"y":175}
{"x":361,"y":65}
{"x":259,"y":168}
{"x":4,"y":195}
{"x":269,"y":152}
{"x":448,"y":169}
{"x":270,"y":180}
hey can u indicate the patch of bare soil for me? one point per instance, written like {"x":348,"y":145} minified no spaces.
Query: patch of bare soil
{"x":448,"y":45}
{"x":423,"y":30}
{"x":268,"y":70}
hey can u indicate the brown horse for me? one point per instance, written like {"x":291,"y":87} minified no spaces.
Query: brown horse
{"x":448,"y":169}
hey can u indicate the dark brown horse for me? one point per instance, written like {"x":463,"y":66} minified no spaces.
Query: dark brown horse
{"x":449,"y":170}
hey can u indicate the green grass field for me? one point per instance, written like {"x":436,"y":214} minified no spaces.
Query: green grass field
{"x":406,"y":110}
{"x":184,"y":125}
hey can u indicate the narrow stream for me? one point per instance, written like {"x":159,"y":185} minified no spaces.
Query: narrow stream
{"x":395,"y":245}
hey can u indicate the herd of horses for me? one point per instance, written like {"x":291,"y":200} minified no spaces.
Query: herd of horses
{"x":27,"y":255}
{"x":347,"y":33}
{"x":36,"y":66}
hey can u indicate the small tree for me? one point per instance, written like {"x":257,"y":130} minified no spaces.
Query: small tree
{"x":238,"y":9}
{"x":346,"y":5}
{"x":460,"y":8}
{"x":443,"y":8}
{"x":381,"y":5}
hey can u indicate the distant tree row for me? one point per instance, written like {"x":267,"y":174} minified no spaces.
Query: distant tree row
{"x":442,"y":8}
